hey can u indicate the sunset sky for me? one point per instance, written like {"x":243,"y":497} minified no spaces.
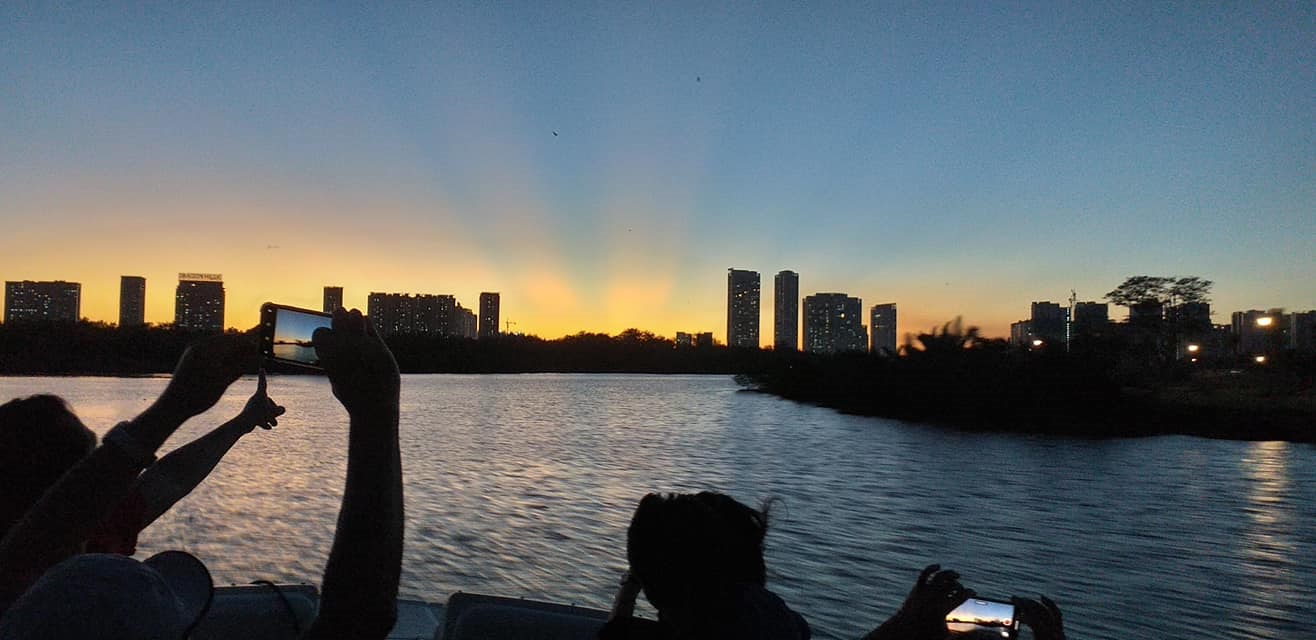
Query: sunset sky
{"x":602,"y":165}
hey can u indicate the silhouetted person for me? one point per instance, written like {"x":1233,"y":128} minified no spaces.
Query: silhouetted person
{"x":41,"y":439}
{"x":359,"y":588}
{"x":698,"y":558}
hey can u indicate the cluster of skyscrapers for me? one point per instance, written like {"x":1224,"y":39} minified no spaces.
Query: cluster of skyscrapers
{"x":198,"y":301}
{"x":1252,"y":333}
{"x":199,"y":306}
{"x":440,"y":314}
{"x":832,"y":322}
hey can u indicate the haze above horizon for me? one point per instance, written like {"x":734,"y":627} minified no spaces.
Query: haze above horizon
{"x":601,"y":166}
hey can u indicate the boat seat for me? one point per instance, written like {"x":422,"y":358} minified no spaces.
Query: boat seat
{"x":258,"y":612}
{"x":469,"y":616}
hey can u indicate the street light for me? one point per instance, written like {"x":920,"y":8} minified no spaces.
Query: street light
{"x":1260,"y":359}
{"x":1192,"y":348}
{"x":1037,"y":343}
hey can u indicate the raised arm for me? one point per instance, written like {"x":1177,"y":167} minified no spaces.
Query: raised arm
{"x":58,"y":524}
{"x":358,"y":596}
{"x":166,"y":482}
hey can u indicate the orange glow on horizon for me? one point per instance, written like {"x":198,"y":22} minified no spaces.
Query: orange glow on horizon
{"x":285,"y":246}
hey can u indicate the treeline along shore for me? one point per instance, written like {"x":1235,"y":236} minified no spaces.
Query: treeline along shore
{"x":945,"y":378}
{"x":986,"y":385}
{"x":89,"y":348}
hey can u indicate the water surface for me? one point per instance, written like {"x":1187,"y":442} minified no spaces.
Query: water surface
{"x":523,"y":485}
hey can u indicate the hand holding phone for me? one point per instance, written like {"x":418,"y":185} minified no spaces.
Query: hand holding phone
{"x":285,"y":334}
{"x":1042,"y":617}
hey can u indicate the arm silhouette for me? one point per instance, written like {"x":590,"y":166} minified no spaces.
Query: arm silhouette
{"x":359,"y":590}
{"x":166,"y":482}
{"x":58,"y":524}
{"x":923,"y":615}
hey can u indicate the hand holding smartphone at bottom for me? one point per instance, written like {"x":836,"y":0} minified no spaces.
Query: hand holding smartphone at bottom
{"x":982,"y":618}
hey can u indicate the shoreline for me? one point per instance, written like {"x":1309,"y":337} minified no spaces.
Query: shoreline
{"x":1128,"y":419}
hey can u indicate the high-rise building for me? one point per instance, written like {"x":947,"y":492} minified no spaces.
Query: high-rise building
{"x":1302,"y":331}
{"x":1021,"y":333}
{"x":786,"y":311}
{"x":1050,"y":324}
{"x":489,"y":302}
{"x":132,"y":301}
{"x":333,"y":299}
{"x":404,"y":313}
{"x":1193,"y":316}
{"x":833,"y":322}
{"x":42,"y":301}
{"x":702,"y":340}
{"x":465,"y":323}
{"x":199,"y":302}
{"x":1147,"y":314}
{"x":1261,"y":332}
{"x":742,"y":308}
{"x":882,"y":324}
{"x":1090,"y":317}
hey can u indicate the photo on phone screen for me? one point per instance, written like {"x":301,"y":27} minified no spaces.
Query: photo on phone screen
{"x":978,"y":618}
{"x":285,"y":333}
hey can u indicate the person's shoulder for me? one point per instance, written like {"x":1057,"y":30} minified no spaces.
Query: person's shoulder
{"x":768,"y":617}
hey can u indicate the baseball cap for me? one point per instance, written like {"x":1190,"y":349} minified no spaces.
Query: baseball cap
{"x":113,"y":597}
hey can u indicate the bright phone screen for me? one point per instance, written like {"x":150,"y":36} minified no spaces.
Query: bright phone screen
{"x":982,"y":619}
{"x":292,"y":335}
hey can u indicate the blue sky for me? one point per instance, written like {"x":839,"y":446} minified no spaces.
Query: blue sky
{"x":956,"y":158}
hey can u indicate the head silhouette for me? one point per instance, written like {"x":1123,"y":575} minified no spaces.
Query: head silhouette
{"x":40,"y":439}
{"x":691,"y":552}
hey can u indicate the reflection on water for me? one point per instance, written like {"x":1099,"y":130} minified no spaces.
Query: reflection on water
{"x":1270,"y":535}
{"x":523,"y":485}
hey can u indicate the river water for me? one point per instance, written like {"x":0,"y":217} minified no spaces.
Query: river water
{"x":522,"y":485}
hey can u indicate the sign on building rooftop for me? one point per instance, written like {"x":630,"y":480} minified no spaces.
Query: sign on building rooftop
{"x":200,"y":277}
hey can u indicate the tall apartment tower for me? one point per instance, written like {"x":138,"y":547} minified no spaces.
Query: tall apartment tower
{"x":786,"y":311}
{"x":1050,"y":323}
{"x":833,"y":322}
{"x":742,"y":308}
{"x":333,"y":299}
{"x":199,"y":302}
{"x":132,"y":301}
{"x":422,"y":313}
{"x":882,"y":324}
{"x":489,"y":302}
{"x":465,"y":323}
{"x":33,"y":301}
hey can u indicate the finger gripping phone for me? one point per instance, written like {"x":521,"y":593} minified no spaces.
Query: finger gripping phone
{"x":285,"y":334}
{"x":983,"y":618}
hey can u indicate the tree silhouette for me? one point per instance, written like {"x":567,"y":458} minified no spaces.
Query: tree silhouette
{"x":1168,"y":297}
{"x":952,"y":338}
{"x":1171,"y":292}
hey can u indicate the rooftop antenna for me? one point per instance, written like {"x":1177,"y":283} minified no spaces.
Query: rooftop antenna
{"x":1069,"y":322}
{"x":509,"y":324}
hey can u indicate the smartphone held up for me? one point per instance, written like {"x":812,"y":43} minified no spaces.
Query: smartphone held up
{"x":981,"y":618}
{"x":285,"y":334}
